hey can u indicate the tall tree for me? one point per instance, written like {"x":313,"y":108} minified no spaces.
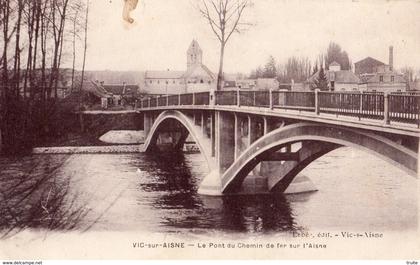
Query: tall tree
{"x":84,"y":54}
{"x":59,"y":12}
{"x":321,"y":82}
{"x":335,"y":53}
{"x":76,"y":8}
{"x":270,"y":69}
{"x":316,"y":69}
{"x":408,"y":73}
{"x":225,"y":17}
{"x":297,"y":69}
{"x":33,"y":36}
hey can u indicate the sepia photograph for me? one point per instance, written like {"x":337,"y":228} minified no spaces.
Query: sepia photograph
{"x":209,"y":129}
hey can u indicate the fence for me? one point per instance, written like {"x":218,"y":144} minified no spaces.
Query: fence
{"x":394,"y":107}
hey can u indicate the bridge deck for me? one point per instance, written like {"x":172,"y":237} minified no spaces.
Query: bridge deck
{"x":329,"y":118}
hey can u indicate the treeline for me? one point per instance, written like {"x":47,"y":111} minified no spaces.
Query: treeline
{"x":300,"y":69}
{"x":34,"y":35}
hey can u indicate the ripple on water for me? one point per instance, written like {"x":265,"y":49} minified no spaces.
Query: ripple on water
{"x":139,"y":192}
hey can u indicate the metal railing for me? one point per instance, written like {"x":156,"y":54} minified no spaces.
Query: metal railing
{"x":226,"y":97}
{"x":202,"y":98}
{"x":395,"y":107}
{"x":186,"y":99}
{"x":173,"y":100}
{"x":294,"y":100}
{"x":404,"y":108}
{"x":356,"y":104}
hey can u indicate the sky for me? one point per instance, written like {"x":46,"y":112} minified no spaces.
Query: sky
{"x":163,"y":30}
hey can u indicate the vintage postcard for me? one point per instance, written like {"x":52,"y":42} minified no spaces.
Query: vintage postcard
{"x":209,"y":129}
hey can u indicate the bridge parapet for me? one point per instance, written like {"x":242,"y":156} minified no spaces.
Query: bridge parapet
{"x":390,"y":108}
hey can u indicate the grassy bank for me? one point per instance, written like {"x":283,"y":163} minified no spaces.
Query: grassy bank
{"x":85,"y":131}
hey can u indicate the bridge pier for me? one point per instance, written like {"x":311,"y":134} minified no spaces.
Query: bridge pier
{"x":225,"y":140}
{"x":147,"y":122}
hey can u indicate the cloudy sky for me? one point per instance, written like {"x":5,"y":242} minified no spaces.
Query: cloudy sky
{"x":164,"y":29}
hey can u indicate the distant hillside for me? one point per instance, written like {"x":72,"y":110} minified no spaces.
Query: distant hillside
{"x":118,"y":77}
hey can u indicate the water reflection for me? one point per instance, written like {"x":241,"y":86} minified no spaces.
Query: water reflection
{"x":158,"y":193}
{"x":33,"y":196}
{"x":177,"y":187}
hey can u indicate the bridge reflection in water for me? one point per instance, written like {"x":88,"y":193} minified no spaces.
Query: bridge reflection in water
{"x":268,"y":137}
{"x":178,"y":186}
{"x":158,"y":193}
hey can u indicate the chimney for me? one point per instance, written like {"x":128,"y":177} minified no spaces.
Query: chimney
{"x":391,"y":58}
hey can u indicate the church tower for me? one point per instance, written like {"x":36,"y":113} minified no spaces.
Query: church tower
{"x":194,"y":55}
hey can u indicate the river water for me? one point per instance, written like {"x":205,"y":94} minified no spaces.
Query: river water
{"x":139,"y":192}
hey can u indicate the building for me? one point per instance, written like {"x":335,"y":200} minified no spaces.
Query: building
{"x":197,"y":77}
{"x":97,"y":95}
{"x":338,"y":80}
{"x":267,"y":83}
{"x":258,"y":84}
{"x":368,"y":65}
{"x":376,"y":76}
{"x":110,"y":95}
{"x":122,"y":94}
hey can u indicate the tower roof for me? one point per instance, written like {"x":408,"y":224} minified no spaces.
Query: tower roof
{"x":194,"y":46}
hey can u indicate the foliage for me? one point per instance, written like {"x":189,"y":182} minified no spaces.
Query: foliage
{"x":296,"y":69}
{"x":321,"y":82}
{"x":33,"y":36}
{"x":270,"y":69}
{"x":336,"y":54}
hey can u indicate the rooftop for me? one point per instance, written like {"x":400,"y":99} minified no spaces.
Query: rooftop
{"x":164,"y":74}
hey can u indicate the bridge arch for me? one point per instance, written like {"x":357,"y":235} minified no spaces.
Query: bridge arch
{"x":330,"y":136}
{"x":202,"y":142}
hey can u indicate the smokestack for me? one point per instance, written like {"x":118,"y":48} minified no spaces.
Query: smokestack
{"x":391,"y":58}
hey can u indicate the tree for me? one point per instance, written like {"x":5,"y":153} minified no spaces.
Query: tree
{"x":270,"y":69}
{"x":316,"y":69}
{"x":336,"y":54}
{"x":59,"y":12}
{"x":257,"y":73}
{"x":321,"y":81}
{"x":297,"y":69}
{"x":33,"y":36}
{"x":85,"y":47}
{"x":408,"y":73}
{"x":76,"y":8}
{"x":225,"y":18}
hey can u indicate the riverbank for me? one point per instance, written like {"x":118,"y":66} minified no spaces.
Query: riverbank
{"x":87,"y":129}
{"x":107,"y":149}
{"x":110,"y":149}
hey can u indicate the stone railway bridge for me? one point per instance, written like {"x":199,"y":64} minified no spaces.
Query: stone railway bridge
{"x":268,"y":137}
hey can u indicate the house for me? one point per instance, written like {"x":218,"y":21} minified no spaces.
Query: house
{"x":108,"y":95}
{"x":338,"y":80}
{"x":229,"y":84}
{"x":383,"y":81}
{"x":368,"y":65}
{"x":267,"y":83}
{"x":97,"y":94}
{"x":376,"y":76}
{"x":197,"y":77}
{"x":246,"y":84}
{"x":258,"y":84}
{"x":122,"y":93}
